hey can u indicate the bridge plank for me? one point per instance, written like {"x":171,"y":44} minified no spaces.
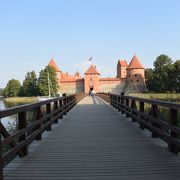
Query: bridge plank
{"x":95,"y":141}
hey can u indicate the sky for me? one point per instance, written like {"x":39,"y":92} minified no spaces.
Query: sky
{"x":72,"y":31}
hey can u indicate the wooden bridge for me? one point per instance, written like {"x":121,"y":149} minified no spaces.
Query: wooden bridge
{"x":93,"y":141}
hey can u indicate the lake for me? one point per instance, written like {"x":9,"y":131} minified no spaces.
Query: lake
{"x":10,"y":121}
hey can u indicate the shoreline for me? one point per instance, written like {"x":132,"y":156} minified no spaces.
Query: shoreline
{"x":21,"y":99}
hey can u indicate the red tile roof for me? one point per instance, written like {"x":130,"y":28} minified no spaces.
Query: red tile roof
{"x":123,"y":63}
{"x":92,"y":70}
{"x":53,"y":64}
{"x":135,"y":63}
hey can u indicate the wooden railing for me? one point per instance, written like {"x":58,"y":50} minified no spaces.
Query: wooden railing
{"x":160,"y":117}
{"x":43,"y":115}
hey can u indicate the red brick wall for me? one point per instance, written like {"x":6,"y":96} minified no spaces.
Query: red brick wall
{"x":121,"y":71}
{"x":91,"y":80}
{"x":113,"y":86}
{"x":72,"y":87}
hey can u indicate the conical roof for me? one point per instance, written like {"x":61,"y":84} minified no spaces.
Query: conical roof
{"x":53,"y":64}
{"x":92,"y":70}
{"x":135,"y":63}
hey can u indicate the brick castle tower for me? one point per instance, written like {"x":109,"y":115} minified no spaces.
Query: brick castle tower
{"x":130,"y":78}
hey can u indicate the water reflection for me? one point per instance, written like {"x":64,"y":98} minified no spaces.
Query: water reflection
{"x":10,"y":121}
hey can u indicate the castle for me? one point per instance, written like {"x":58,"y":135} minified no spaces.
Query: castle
{"x":130,"y":78}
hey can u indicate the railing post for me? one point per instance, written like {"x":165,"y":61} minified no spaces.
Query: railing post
{"x":67,"y":101}
{"x":61,"y":107}
{"x":22,"y":124}
{"x":122,"y":104}
{"x":173,"y":121}
{"x":55,"y":108}
{"x":127,"y":105}
{"x":116,"y":99}
{"x":112,"y":100}
{"x":70,"y":103}
{"x":1,"y":154}
{"x":118,"y":102}
{"x":141,"y":107}
{"x":134,"y":107}
{"x":154,"y":110}
{"x":38,"y":116}
{"x":48,"y":111}
{"x":64,"y":105}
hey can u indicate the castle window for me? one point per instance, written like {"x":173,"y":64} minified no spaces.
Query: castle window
{"x":135,"y":75}
{"x":137,"y":80}
{"x":131,"y":80}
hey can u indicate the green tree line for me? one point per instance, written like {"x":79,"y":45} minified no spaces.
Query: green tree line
{"x":1,"y":91}
{"x":165,"y":76}
{"x":33,"y":86}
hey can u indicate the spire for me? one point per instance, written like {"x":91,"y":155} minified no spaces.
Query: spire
{"x":92,"y":70}
{"x":53,"y":64}
{"x":135,"y":63}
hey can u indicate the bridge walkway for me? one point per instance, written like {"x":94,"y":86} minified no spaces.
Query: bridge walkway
{"x":94,"y":141}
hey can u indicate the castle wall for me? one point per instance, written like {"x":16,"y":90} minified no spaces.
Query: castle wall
{"x":71,"y":87}
{"x":112,"y":85}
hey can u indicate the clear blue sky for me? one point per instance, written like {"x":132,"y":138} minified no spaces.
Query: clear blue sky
{"x":71,"y":31}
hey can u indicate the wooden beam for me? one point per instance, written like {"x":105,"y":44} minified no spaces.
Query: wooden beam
{"x":22,"y":123}
{"x":1,"y":154}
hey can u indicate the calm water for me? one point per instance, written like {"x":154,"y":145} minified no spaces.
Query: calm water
{"x":9,"y":121}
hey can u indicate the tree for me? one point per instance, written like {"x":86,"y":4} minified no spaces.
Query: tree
{"x":29,"y":87}
{"x":12,"y":88}
{"x":1,"y":91}
{"x":174,"y":74}
{"x":149,"y":79}
{"x":43,"y":81}
{"x":162,"y":66}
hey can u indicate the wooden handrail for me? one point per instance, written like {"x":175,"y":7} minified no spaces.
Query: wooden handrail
{"x":165,"y":128}
{"x":27,"y":132}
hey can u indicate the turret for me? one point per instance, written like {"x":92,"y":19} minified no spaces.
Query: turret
{"x":91,"y":79}
{"x":121,"y":69}
{"x":135,"y":71}
{"x":135,"y":81}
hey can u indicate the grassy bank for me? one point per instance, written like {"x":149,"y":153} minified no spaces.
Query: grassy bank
{"x":21,"y":99}
{"x":163,"y":112}
{"x":161,"y":96}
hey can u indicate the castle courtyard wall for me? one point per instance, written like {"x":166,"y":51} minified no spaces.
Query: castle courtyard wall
{"x":112,"y":85}
{"x":71,"y":87}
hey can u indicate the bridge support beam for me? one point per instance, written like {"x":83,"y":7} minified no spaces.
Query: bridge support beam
{"x":174,"y":122}
{"x":48,"y":111}
{"x":56,"y":108}
{"x":141,"y":107}
{"x":38,"y":116}
{"x":61,"y":106}
{"x":22,"y":124}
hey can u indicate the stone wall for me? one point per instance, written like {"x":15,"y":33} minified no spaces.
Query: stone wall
{"x":72,"y":87}
{"x":135,"y":87}
{"x":115,"y":85}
